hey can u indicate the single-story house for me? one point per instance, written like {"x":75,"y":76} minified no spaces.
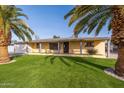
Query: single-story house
{"x":66,"y":45}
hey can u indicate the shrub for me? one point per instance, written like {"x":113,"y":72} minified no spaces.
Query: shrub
{"x":91,"y":51}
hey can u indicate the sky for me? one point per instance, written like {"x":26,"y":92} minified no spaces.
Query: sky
{"x":48,"y":20}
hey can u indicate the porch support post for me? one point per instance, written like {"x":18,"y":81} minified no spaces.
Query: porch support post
{"x":58,"y":47}
{"x":108,"y":48}
{"x":81,"y":47}
{"x":27,"y":49}
{"x":40,"y":47}
{"x":14,"y":48}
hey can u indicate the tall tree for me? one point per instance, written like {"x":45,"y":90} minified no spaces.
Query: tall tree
{"x":11,"y":22}
{"x":92,"y":18}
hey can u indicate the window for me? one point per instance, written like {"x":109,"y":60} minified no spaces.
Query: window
{"x":53,"y":46}
{"x":89,"y":44}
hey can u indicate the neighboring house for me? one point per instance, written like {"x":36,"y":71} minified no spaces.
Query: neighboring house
{"x":66,"y":45}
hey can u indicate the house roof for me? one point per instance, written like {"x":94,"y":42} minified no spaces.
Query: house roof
{"x":66,"y":39}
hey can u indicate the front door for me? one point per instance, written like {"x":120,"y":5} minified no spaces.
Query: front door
{"x":66,"y":47}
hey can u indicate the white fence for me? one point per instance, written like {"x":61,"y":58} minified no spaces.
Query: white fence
{"x":19,"y":48}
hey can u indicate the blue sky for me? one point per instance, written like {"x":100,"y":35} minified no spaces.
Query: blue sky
{"x":46,"y":21}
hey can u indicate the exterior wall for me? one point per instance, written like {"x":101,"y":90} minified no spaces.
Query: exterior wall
{"x":74,"y":47}
{"x":33,"y":48}
{"x":100,"y":46}
{"x":84,"y":49}
{"x":45,"y":47}
{"x":56,"y":51}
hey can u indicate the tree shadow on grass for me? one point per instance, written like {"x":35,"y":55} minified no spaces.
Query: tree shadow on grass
{"x":64,"y":61}
{"x":68,"y":63}
{"x":77,"y":60}
{"x":52,"y":60}
{"x":81,"y":61}
{"x":15,"y":56}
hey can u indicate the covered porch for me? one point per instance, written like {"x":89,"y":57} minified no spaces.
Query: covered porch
{"x":73,"y":46}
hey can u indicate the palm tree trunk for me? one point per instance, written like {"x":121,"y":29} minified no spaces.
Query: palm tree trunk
{"x":119,"y":66}
{"x":4,"y":56}
{"x":4,"y":42}
{"x":118,"y":37}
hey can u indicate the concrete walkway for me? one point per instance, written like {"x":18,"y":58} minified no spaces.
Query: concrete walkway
{"x":72,"y":55}
{"x":114,"y":56}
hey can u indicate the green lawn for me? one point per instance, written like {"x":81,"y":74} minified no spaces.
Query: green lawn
{"x":53,"y":71}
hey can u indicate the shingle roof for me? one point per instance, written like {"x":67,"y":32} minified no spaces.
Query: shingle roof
{"x":67,"y":39}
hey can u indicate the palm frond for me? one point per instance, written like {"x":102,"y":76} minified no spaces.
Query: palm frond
{"x":11,"y":17}
{"x":90,"y":17}
{"x":78,"y":14}
{"x":69,"y":13}
{"x":18,"y":32}
{"x":21,"y":14}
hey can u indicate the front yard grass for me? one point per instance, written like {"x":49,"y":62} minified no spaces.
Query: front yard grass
{"x":52,"y":72}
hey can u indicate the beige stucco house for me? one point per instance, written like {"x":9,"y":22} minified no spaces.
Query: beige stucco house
{"x":76,"y":46}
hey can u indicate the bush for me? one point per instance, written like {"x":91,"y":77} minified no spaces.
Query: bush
{"x":91,"y":51}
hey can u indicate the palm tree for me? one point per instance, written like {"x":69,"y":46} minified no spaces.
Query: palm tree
{"x":11,"y":22}
{"x":92,"y":18}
